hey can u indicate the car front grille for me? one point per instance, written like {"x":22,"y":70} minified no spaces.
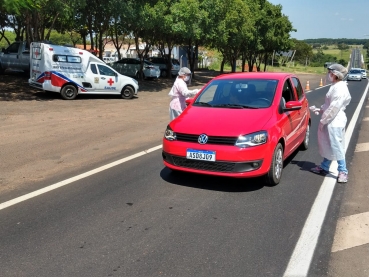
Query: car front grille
{"x":211,"y":139}
{"x":204,"y":165}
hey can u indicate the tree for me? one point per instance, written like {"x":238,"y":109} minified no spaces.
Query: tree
{"x":304,"y":51}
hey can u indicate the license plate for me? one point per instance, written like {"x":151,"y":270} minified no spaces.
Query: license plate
{"x":202,"y":155}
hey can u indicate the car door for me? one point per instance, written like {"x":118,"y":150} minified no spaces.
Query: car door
{"x":108,"y":80}
{"x":11,"y":56}
{"x":294,"y":118}
{"x":304,"y":111}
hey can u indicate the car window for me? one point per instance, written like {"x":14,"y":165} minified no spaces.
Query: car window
{"x":93,"y":68}
{"x":297,"y":85}
{"x":13,"y":48}
{"x":238,"y":93}
{"x":355,"y":71}
{"x":104,"y":70}
{"x":175,"y":62}
{"x":287,"y":92}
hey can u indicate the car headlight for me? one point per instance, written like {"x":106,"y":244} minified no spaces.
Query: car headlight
{"x":169,"y":134}
{"x":252,"y":139}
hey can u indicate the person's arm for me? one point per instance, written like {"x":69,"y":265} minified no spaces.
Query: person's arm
{"x":182,"y":88}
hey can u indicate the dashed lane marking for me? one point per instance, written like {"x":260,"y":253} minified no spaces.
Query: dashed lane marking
{"x":351,"y":231}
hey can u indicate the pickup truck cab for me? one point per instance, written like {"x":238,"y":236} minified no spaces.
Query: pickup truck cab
{"x":15,"y":57}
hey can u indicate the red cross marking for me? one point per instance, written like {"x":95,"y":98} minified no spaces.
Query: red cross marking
{"x":36,"y":53}
{"x":110,"y":82}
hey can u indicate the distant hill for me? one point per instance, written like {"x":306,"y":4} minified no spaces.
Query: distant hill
{"x":330,"y":41}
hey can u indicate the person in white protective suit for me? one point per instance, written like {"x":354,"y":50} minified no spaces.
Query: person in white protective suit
{"x":331,"y":132}
{"x":179,"y":93}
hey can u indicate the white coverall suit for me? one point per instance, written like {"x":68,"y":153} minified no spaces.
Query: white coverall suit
{"x":179,"y":93}
{"x":331,"y":132}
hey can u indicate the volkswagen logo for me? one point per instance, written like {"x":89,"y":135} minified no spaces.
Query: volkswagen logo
{"x":203,"y":139}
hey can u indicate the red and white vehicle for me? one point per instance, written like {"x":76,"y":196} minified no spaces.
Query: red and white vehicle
{"x":72,"y":71}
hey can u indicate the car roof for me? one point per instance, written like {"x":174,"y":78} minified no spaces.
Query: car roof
{"x":256,"y":75}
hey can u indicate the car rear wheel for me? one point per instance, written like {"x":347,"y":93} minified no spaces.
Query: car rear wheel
{"x":274,"y":175}
{"x":163,"y":73}
{"x":305,"y":143}
{"x":69,"y":92}
{"x":127,"y":92}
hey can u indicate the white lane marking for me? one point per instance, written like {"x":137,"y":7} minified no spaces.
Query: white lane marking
{"x":302,"y":255}
{"x":351,"y":231}
{"x":362,"y":147}
{"x":366,"y":119}
{"x":75,"y":178}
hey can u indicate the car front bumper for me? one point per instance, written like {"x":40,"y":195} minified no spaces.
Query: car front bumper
{"x":231,"y":161}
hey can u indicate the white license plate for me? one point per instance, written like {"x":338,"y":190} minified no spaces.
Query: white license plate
{"x":202,"y":155}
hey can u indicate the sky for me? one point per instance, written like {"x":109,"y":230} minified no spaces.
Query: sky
{"x":327,"y":19}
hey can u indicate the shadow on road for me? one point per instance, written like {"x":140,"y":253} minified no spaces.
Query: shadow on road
{"x":208,"y":182}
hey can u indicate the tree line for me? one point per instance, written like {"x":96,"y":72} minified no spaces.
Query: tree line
{"x":250,"y":30}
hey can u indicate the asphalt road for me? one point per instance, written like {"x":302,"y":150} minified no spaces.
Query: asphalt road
{"x":140,"y":219}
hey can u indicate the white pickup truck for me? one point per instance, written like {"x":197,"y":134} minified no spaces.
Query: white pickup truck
{"x":15,"y":57}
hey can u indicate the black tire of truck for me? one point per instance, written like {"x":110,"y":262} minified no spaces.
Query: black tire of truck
{"x":2,"y":71}
{"x":127,"y":92}
{"x":68,"y":92}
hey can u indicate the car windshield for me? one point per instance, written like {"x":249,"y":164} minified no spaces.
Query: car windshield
{"x":355,"y":71}
{"x":363,"y":71}
{"x":238,"y":94}
{"x":174,"y":61}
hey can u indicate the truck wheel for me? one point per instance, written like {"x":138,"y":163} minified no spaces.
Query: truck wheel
{"x":274,"y":175}
{"x":127,"y":92}
{"x":1,"y":70}
{"x":69,"y":92}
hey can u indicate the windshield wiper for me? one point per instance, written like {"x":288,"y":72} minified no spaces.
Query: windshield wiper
{"x":235,"y":106}
{"x":202,"y":104}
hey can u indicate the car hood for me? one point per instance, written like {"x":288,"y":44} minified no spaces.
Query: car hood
{"x":221,"y":121}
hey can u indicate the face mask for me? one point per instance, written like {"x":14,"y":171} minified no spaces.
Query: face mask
{"x":187,"y":78}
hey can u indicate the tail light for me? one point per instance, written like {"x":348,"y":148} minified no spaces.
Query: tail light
{"x":47,"y":75}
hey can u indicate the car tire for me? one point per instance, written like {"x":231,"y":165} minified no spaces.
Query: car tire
{"x":305,"y":143}
{"x":273,"y":177}
{"x":2,"y":71}
{"x":163,"y":73}
{"x":69,"y":92}
{"x":127,"y":92}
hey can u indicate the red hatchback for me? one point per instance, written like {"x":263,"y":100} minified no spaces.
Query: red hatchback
{"x":240,"y":125}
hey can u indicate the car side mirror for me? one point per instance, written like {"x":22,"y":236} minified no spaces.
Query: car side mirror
{"x":292,"y":106}
{"x":189,"y":101}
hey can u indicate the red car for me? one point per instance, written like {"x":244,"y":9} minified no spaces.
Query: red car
{"x":240,"y":125}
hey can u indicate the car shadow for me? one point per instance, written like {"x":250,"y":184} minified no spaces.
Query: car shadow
{"x":208,"y":182}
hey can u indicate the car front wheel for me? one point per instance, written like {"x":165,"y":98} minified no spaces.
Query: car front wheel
{"x":305,"y":143}
{"x":127,"y":92}
{"x":274,"y":175}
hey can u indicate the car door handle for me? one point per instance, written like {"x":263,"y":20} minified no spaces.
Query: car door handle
{"x":102,"y":78}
